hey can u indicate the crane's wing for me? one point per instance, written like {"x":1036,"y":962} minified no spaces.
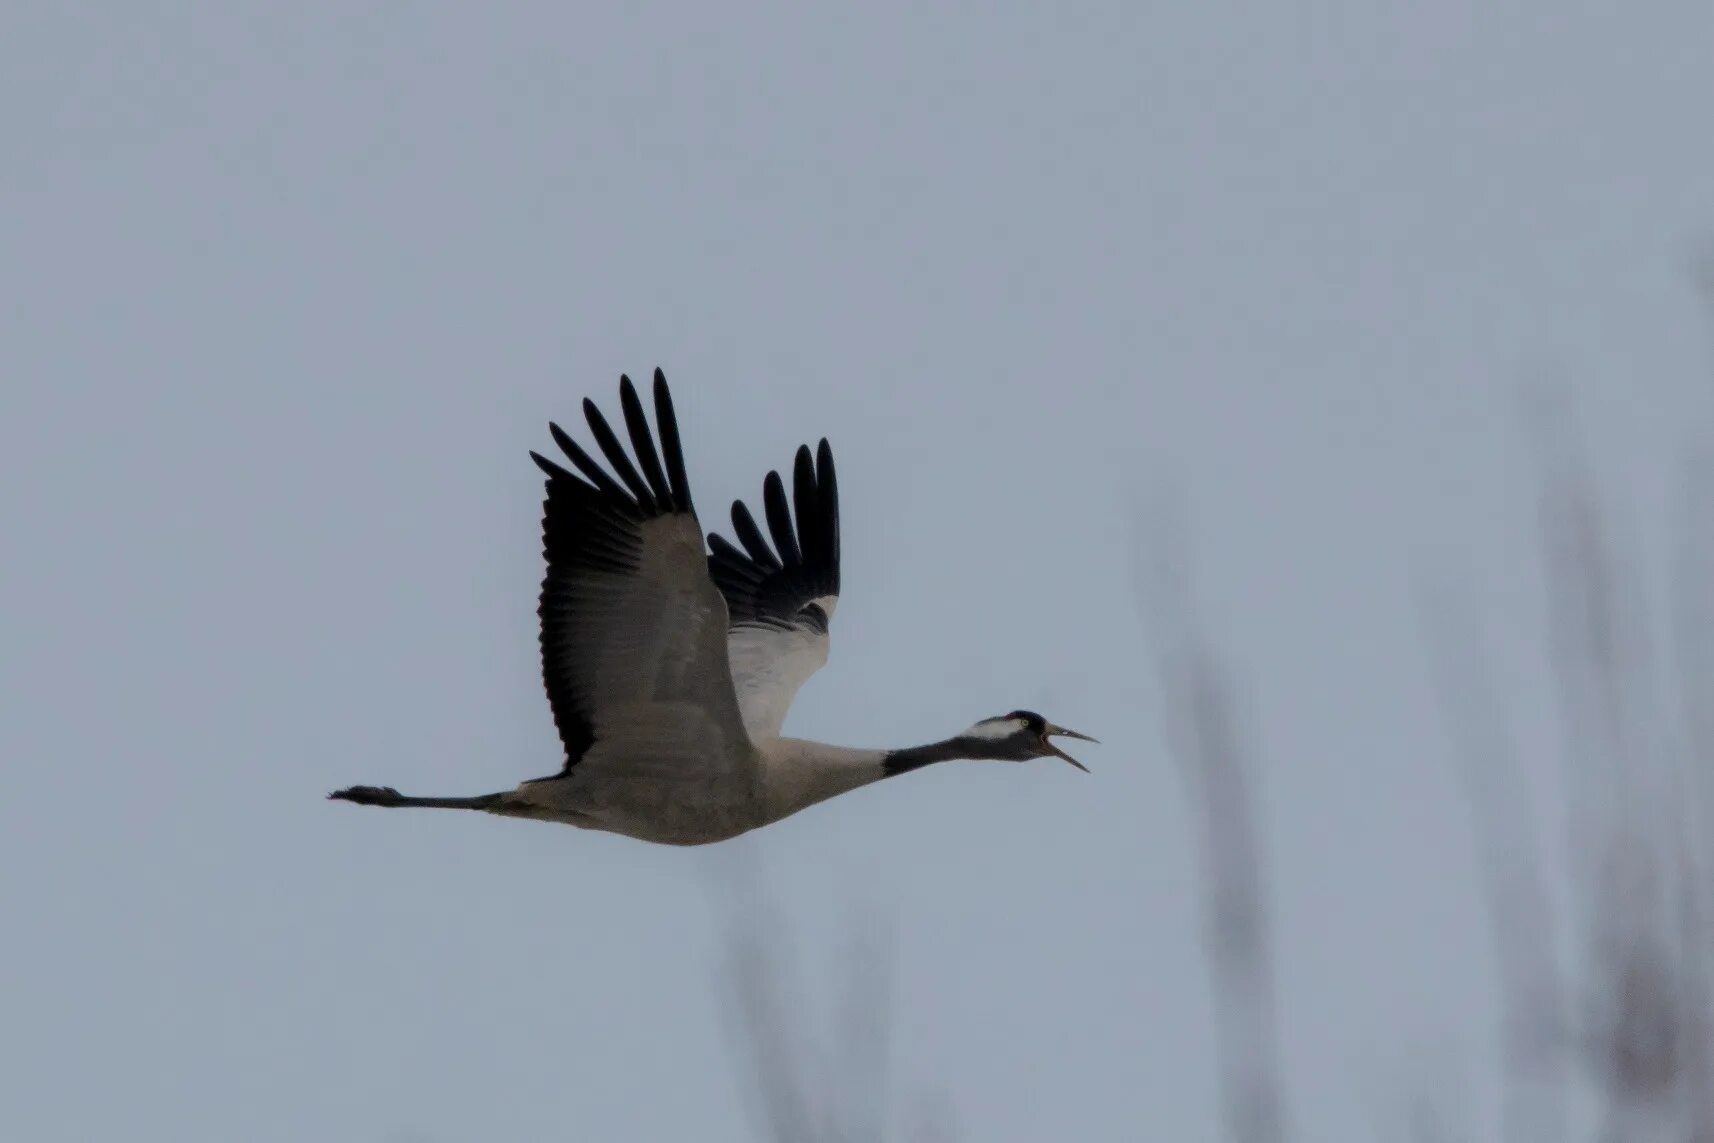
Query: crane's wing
{"x":781,"y":602}
{"x":633,"y":629}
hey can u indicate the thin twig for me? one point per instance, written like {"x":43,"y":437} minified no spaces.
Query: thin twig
{"x":1205,"y":733}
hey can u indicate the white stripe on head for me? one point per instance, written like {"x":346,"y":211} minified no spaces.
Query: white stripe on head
{"x":996,"y":729}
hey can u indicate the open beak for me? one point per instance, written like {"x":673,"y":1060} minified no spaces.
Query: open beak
{"x":1064,"y":733}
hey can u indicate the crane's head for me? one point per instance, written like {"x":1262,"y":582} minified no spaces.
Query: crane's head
{"x":1021,"y":735}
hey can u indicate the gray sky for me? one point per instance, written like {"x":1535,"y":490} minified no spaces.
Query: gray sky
{"x":285,"y":295}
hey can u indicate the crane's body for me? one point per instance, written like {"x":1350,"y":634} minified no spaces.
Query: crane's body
{"x":670,"y":668}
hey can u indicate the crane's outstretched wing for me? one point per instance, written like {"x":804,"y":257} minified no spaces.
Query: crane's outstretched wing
{"x":780,"y":602}
{"x":633,"y":629}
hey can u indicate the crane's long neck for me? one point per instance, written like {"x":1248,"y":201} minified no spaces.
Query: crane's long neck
{"x":802,"y":773}
{"x":916,"y":757}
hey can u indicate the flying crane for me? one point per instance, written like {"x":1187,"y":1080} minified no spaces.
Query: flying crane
{"x":669,"y":668}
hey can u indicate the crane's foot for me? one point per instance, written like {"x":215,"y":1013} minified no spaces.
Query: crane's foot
{"x":369,"y":796}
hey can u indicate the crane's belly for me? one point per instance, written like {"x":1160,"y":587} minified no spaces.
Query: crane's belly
{"x":666,"y":812}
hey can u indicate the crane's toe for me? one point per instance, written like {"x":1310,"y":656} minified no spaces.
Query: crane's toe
{"x":368,"y":795}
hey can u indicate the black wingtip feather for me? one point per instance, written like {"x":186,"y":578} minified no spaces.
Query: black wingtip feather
{"x":780,"y":519}
{"x":804,"y":503}
{"x":586,"y":465}
{"x":554,"y":471}
{"x":751,"y":536}
{"x":643,"y":442}
{"x":828,"y":485}
{"x":666,"y":421}
{"x":615,"y":452}
{"x":723,"y":548}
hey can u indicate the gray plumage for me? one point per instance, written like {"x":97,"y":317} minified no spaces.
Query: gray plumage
{"x":670,"y":669}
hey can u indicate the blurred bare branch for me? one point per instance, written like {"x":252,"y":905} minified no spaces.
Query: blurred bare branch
{"x":810,"y":1088}
{"x":1646,"y":1030}
{"x":1634,"y":762}
{"x":1533,"y":1019}
{"x":1693,"y":645}
{"x":1205,"y":733}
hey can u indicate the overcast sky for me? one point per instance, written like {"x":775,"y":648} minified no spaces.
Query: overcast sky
{"x":287,"y":293}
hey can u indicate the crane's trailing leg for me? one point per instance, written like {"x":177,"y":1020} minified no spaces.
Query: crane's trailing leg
{"x":387,"y":796}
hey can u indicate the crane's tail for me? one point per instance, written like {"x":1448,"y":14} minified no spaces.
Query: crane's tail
{"x":387,"y":796}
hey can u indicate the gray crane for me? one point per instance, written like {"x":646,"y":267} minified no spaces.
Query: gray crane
{"x":670,"y":669}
